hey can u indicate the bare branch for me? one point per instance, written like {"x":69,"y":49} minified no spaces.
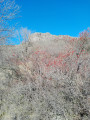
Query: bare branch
{"x":8,"y":12}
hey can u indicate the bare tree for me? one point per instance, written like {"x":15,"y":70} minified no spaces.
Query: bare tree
{"x":8,"y":12}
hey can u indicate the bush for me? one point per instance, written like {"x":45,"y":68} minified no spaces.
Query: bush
{"x":46,"y":86}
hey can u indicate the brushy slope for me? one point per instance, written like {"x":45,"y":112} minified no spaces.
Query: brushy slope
{"x":45,"y":78}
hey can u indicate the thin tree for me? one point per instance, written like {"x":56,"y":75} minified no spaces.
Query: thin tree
{"x":8,"y":13}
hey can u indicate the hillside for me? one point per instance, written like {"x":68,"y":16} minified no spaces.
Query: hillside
{"x":46,"y":77}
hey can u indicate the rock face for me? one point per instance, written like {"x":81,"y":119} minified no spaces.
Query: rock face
{"x":43,"y":79}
